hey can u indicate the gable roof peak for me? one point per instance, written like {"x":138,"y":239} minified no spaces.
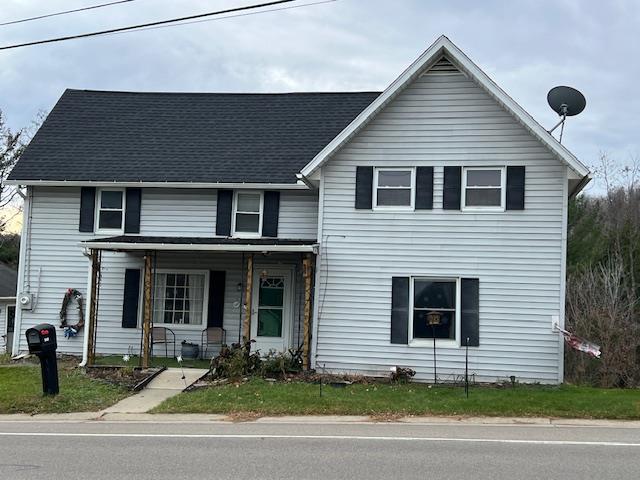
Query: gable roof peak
{"x":444,"y":47}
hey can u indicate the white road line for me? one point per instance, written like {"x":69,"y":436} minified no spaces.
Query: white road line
{"x":319,"y":437}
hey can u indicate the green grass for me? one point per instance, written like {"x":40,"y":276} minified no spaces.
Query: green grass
{"x":155,"y":362}
{"x":296,"y":398}
{"x":21,"y":391}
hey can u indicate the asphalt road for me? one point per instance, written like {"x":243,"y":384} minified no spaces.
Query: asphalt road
{"x":126,"y":450}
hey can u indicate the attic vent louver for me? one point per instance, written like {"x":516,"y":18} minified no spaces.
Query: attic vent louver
{"x":443,"y":67}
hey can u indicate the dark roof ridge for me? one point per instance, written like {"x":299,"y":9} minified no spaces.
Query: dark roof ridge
{"x":355,"y":92}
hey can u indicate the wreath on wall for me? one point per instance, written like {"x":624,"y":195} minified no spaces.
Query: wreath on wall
{"x":71,"y":330}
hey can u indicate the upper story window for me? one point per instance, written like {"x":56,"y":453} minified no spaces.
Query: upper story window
{"x":483,"y":188}
{"x":247,"y":215}
{"x":394,"y":187}
{"x":110,"y":210}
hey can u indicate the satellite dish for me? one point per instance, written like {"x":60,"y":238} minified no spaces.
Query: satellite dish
{"x":566,"y":102}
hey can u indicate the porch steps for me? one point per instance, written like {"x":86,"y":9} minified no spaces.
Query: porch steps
{"x":166,"y":385}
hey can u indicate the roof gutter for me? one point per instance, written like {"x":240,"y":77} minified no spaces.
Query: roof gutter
{"x":581,"y":184}
{"x":189,"y":247}
{"x":232,"y":185}
{"x":306,"y":181}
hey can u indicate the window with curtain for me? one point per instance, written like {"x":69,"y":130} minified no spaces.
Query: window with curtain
{"x":179,"y":298}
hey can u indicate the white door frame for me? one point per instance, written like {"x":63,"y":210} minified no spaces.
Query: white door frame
{"x":288,"y":271}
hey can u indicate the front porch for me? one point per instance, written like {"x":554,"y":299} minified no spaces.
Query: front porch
{"x":189,"y":289}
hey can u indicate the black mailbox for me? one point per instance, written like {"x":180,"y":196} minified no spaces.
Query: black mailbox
{"x":41,"y":340}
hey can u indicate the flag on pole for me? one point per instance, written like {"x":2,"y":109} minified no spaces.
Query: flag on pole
{"x":580,"y":344}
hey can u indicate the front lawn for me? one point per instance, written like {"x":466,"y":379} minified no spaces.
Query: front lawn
{"x":21,"y":391}
{"x":297,"y":398}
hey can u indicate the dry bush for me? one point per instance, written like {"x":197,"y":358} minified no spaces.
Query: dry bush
{"x":602,"y":306}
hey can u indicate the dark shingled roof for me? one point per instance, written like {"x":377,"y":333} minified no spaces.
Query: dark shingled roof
{"x":8,"y":281}
{"x":185,"y":137}
{"x":199,"y":240}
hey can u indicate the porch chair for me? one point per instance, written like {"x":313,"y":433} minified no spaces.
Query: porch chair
{"x":211,"y":336}
{"x":163,"y":335}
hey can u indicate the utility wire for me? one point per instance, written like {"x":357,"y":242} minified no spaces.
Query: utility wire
{"x":91,"y":7}
{"x":143,"y":25}
{"x":246,"y":14}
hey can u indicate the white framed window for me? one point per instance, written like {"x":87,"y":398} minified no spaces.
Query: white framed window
{"x":110,"y":208}
{"x":483,"y":188}
{"x":394,"y":187}
{"x":180,"y":297}
{"x":440,"y":298}
{"x":247,"y":213}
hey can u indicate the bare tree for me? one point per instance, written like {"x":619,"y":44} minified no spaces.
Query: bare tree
{"x":12,"y":144}
{"x":603,"y":289}
{"x":602,"y":307}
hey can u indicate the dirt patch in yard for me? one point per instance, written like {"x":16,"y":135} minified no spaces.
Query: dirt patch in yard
{"x":127,"y":377}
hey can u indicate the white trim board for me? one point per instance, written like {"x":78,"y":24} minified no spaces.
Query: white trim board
{"x":89,"y":183}
{"x":445,"y":47}
{"x":199,"y":247}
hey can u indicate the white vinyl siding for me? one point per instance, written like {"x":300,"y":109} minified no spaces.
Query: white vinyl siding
{"x":517,"y":255}
{"x":55,"y":260}
{"x":192,"y":213}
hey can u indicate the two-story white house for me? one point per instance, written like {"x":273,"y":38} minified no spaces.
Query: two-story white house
{"x":351,"y":227}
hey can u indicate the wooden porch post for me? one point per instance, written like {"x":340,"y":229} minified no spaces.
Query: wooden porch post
{"x":307,"y":269}
{"x":146,"y":319}
{"x":93,"y":307}
{"x":246,"y":325}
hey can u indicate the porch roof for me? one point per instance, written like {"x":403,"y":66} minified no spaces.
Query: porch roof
{"x":212,"y":244}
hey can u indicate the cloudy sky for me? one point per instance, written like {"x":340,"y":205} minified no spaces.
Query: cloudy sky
{"x":527,"y":47}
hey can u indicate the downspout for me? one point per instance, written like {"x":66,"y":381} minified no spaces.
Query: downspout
{"x":22,"y":267}
{"x":315,"y":318}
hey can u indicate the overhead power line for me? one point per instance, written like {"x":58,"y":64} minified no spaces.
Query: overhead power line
{"x":246,"y":14}
{"x":144,"y":25}
{"x":65,"y":12}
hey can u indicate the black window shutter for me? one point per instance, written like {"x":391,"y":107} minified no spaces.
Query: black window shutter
{"x":400,"y":310}
{"x":515,"y":187}
{"x":470,"y":311}
{"x":132,"y":213}
{"x":131,"y":297}
{"x":270,"y":214}
{"x":364,"y":187}
{"x":424,"y":188}
{"x":215,"y":315}
{"x":452,"y":185}
{"x":223,"y":214}
{"x":87,"y":208}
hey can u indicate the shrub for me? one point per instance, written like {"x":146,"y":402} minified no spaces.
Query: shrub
{"x":402,"y":375}
{"x":278,"y":364}
{"x":236,"y":361}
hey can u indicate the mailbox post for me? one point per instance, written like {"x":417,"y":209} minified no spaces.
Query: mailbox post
{"x":41,"y":340}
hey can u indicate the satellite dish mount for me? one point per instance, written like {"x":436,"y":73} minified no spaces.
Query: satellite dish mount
{"x":566,"y":102}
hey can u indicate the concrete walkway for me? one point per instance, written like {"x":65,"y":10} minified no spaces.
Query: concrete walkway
{"x":166,"y":385}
